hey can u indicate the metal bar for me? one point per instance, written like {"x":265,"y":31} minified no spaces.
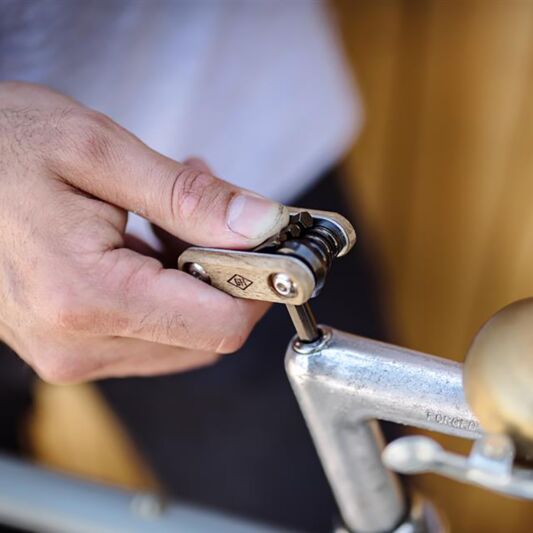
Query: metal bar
{"x":304,"y":322}
{"x":348,"y":382}
{"x":35,"y":499}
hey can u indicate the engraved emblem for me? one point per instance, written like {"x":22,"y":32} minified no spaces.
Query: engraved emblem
{"x":240,"y":282}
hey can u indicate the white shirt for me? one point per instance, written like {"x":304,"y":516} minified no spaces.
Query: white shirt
{"x":258,"y":88}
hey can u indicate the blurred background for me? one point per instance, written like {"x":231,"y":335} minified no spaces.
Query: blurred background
{"x":442,"y":177}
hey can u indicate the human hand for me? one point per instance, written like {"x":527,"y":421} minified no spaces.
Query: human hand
{"x":75,"y":303}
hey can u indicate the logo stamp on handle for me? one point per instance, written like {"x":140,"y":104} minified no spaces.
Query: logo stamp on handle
{"x":240,"y":282}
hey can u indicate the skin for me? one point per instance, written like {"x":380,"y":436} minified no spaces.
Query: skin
{"x":77,"y":301}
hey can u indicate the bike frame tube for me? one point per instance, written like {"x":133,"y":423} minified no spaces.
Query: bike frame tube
{"x":343,"y":386}
{"x":36,"y":499}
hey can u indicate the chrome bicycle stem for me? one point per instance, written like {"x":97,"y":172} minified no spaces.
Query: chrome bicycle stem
{"x":343,"y":388}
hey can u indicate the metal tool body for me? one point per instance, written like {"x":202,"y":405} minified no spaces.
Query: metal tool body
{"x":289,"y":268}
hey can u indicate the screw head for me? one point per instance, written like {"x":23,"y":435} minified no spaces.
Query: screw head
{"x":198,"y":271}
{"x":283,"y":285}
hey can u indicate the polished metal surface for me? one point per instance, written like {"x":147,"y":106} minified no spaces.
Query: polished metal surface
{"x":489,"y":465}
{"x":498,"y":375}
{"x":348,"y":383}
{"x":304,"y":322}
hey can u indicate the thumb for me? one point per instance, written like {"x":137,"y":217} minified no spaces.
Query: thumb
{"x":186,"y":200}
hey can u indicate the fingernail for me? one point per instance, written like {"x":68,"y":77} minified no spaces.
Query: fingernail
{"x":255,"y":217}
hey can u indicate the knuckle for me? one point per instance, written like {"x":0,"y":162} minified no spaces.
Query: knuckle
{"x":88,"y":136}
{"x":94,"y":137}
{"x":193,"y":193}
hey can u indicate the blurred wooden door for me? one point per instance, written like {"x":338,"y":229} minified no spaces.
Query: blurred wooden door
{"x":443,"y":174}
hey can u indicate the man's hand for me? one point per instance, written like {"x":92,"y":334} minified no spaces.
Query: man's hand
{"x":77,"y":304}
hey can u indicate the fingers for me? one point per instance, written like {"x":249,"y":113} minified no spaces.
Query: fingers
{"x":106,"y":161}
{"x":171,"y":307}
{"x":133,"y":296}
{"x":69,"y":283}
